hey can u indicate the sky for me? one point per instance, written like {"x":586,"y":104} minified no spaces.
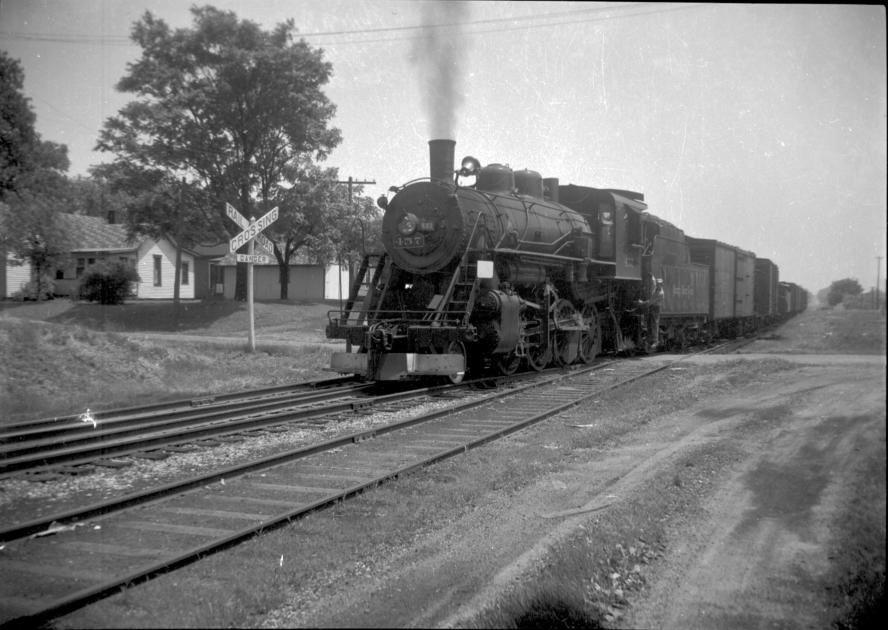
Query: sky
{"x":759,"y":125}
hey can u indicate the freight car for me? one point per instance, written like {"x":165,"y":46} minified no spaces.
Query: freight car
{"x":766,"y":282}
{"x":792,"y":299}
{"x":490,"y":268}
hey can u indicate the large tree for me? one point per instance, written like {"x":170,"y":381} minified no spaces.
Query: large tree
{"x":226,"y":104}
{"x":33,"y":186}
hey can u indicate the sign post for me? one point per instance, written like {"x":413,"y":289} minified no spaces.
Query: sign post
{"x":252,"y":232}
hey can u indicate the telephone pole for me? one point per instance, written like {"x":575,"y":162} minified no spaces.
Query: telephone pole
{"x":352,"y":182}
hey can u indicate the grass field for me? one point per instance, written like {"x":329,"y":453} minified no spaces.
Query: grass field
{"x":61,"y":357}
{"x":194,"y":316}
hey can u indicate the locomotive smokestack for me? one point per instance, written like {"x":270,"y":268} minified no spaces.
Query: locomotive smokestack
{"x":441,"y":159}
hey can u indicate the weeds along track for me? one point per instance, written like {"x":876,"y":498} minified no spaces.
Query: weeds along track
{"x":112,"y":546}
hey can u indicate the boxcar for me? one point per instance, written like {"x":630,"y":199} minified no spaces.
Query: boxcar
{"x":792,"y":300}
{"x":767,"y":277}
{"x":731,"y":281}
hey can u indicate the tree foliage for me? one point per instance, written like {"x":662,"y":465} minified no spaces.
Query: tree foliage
{"x":97,"y":196}
{"x":26,"y":161}
{"x":33,"y":187}
{"x":317,"y":218}
{"x":839,"y":289}
{"x":230,"y":106}
{"x":17,"y":134}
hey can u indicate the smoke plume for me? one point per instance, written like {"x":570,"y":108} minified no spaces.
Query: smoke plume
{"x":441,"y":58}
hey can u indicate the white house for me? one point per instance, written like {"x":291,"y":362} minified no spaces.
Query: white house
{"x":205,"y":272}
{"x":92,"y":239}
{"x":14,"y":275}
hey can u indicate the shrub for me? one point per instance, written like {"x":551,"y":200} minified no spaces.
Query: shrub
{"x":34,"y":290}
{"x":107,"y":283}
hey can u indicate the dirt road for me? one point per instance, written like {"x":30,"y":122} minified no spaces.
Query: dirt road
{"x":760,"y":554}
{"x":756,"y":501}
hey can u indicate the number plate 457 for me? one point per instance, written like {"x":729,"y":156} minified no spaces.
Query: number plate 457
{"x":417,"y":240}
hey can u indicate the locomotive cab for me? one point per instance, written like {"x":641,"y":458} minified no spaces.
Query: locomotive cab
{"x":616,"y":220}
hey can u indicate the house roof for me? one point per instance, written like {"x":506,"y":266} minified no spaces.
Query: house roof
{"x":86,"y":233}
{"x":211,"y":251}
{"x":93,"y":234}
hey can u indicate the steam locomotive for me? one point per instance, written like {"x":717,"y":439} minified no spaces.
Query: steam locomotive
{"x":486,"y":268}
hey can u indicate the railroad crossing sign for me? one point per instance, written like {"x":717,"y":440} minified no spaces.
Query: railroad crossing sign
{"x":250,"y":235}
{"x":252,"y":230}
{"x":243,"y":223}
{"x":256,"y":259}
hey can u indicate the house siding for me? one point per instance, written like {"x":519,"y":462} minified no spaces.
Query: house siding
{"x":336,"y":283}
{"x":145,"y":268}
{"x":15,"y":276}
{"x":306,"y":282}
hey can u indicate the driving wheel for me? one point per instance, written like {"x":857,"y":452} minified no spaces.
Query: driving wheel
{"x":507,"y":364}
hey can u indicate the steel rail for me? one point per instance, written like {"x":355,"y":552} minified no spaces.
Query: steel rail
{"x":42,"y":441}
{"x":106,"y":415}
{"x":89,"y":452}
{"x":214,"y":421}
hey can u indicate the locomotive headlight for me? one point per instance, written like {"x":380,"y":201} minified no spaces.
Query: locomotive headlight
{"x":407,"y":224}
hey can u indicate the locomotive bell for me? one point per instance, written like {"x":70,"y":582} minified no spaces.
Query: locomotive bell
{"x":469,"y":166}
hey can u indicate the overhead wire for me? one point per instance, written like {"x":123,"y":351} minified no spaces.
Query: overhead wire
{"x":538,"y":21}
{"x":520,"y":27}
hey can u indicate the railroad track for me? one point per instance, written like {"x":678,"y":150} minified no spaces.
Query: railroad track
{"x":42,"y":449}
{"x":110,"y":546}
{"x":74,"y":444}
{"x":71,"y":441}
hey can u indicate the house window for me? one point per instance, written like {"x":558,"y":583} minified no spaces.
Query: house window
{"x":157,"y":262}
{"x":81,"y":265}
{"x":184,"y":273}
{"x":91,"y":261}
{"x":60,"y":274}
{"x":217,"y":279}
